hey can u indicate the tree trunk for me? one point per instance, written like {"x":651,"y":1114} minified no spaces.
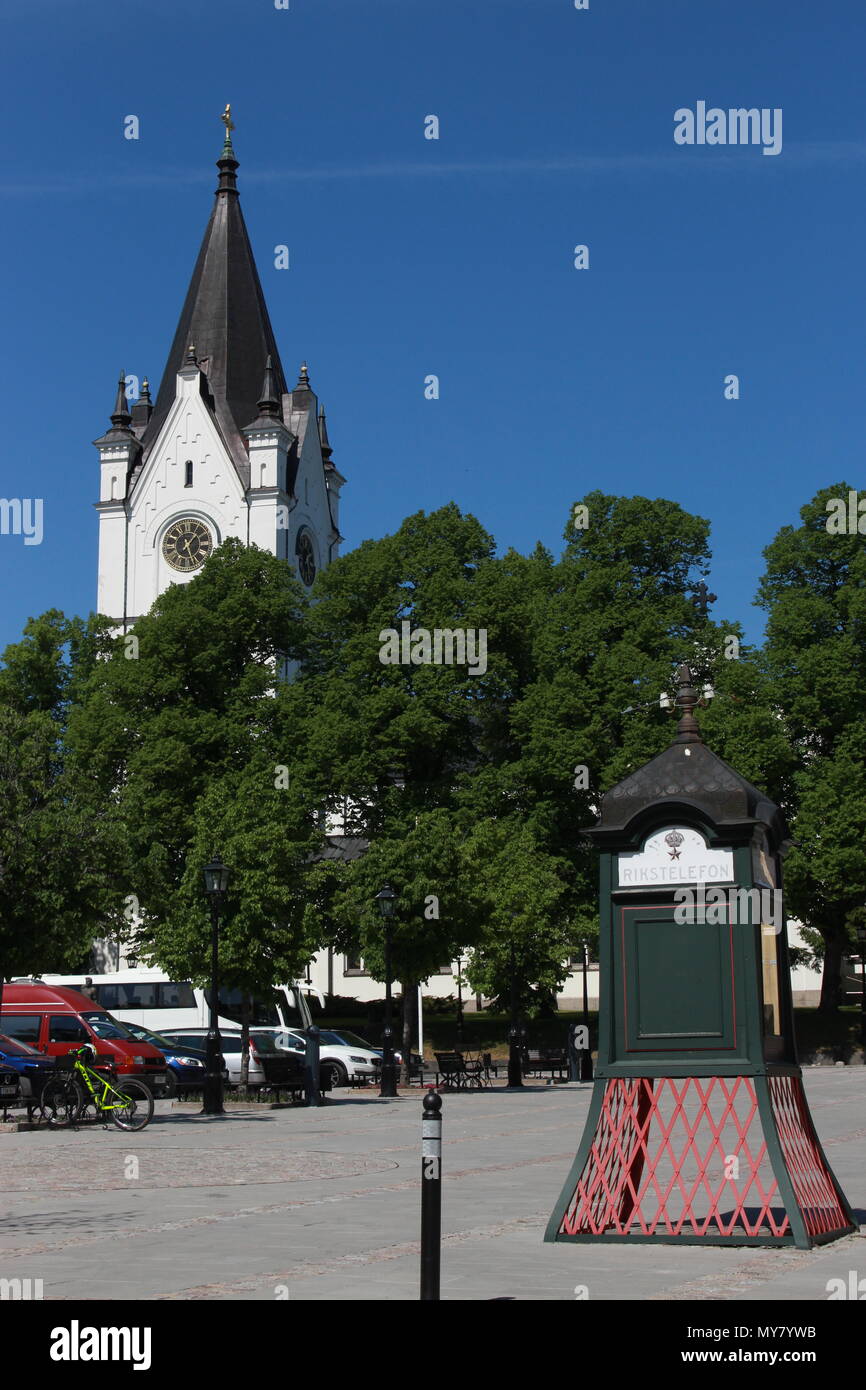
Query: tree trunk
{"x":835,"y":942}
{"x":410,"y":1028}
{"x":245,"y":1044}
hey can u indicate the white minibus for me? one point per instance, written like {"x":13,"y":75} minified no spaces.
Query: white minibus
{"x":151,"y":998}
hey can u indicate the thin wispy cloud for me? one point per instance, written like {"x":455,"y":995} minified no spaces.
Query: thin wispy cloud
{"x":675,"y":162}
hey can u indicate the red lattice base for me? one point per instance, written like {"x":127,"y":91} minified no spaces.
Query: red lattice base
{"x":689,"y":1157}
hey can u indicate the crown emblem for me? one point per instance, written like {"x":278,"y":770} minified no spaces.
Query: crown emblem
{"x":674,"y":839}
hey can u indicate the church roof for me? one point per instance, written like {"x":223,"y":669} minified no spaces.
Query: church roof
{"x":225,"y":319}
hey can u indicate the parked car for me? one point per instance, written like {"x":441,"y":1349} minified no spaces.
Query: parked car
{"x":268,"y":1066}
{"x":185,"y":1062}
{"x":32,"y":1069}
{"x":10,"y":1087}
{"x":339,"y":1060}
{"x":55,"y":1020}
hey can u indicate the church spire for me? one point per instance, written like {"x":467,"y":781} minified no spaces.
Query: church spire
{"x":270,"y":408}
{"x":226,"y":317}
{"x":120,"y":435}
{"x":227,"y":164}
{"x":324,"y":441}
{"x":142,"y":410}
{"x":121,"y":418}
{"x":270,"y":402}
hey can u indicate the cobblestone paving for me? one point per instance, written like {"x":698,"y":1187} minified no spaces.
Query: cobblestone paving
{"x":324,"y":1204}
{"x":73,"y":1167}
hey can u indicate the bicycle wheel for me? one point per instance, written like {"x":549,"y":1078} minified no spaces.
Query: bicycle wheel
{"x":136,"y":1113}
{"x":62,"y":1100}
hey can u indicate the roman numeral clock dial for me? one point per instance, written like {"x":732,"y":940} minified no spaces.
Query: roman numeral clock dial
{"x":187,"y":544}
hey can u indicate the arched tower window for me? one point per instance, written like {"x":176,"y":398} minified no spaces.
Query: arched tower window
{"x":188,"y":467}
{"x":306,"y":557}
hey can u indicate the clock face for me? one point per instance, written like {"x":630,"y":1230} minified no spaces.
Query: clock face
{"x":187,"y":544}
{"x":306,"y":558}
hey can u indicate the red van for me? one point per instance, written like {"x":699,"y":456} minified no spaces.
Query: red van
{"x":56,"y":1020}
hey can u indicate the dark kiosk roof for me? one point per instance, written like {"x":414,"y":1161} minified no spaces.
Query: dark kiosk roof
{"x":688,"y":774}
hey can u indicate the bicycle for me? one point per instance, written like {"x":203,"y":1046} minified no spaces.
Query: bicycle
{"x":68,"y":1096}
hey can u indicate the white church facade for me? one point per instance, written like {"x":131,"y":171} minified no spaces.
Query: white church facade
{"x":227,"y":450}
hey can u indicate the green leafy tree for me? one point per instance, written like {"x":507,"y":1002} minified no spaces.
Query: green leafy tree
{"x":814,"y":593}
{"x":184,"y":732}
{"x":57,"y":840}
{"x":394,"y":740}
{"x":606,"y":627}
{"x":520,"y":896}
{"x":267,"y":835}
{"x":432,"y":918}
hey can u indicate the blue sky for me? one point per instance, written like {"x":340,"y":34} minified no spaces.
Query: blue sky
{"x":452,"y":257}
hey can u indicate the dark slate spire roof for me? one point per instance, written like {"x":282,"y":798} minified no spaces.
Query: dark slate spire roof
{"x":142,"y":410}
{"x":270,"y":405}
{"x":688,"y":774}
{"x":121,"y":419}
{"x":225,"y":316}
{"x":269,"y":400}
{"x":324,"y":441}
{"x":302,"y":394}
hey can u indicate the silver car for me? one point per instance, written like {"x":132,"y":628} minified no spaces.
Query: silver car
{"x":230,"y":1044}
{"x":344,"y":1055}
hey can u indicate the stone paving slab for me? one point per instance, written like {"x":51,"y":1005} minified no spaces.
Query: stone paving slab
{"x":324,"y":1204}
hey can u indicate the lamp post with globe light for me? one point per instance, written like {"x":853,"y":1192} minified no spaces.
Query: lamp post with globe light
{"x":216,"y":882}
{"x":861,"y":937}
{"x":386,"y":898}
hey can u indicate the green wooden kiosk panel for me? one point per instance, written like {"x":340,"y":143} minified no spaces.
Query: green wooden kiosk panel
{"x":676,"y":984}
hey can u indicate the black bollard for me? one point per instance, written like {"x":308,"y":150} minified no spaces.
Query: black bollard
{"x":515,"y":1071}
{"x":573,"y":1054}
{"x":311,"y":1067}
{"x":431,"y":1196}
{"x":388,"y":1070}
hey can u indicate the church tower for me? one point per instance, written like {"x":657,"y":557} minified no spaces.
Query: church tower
{"x":226,"y":450}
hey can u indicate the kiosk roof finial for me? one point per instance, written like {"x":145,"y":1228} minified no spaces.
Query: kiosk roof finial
{"x":688,"y":728}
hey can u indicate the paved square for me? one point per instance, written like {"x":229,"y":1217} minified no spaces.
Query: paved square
{"x":325,"y":1204}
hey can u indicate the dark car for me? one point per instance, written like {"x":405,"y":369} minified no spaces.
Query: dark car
{"x":186,"y":1064}
{"x":27,"y":1068}
{"x":268,"y":1064}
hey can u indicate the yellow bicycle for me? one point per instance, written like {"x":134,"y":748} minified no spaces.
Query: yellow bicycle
{"x":77,"y":1089}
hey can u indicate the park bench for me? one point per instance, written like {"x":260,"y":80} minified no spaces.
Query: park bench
{"x":287,"y":1075}
{"x":537,"y":1061}
{"x":459,"y":1071}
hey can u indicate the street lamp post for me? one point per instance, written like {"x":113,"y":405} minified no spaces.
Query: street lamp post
{"x":459,"y":963}
{"x":861,"y":937}
{"x":216,"y":882}
{"x":515,"y":1071}
{"x":386,"y":898}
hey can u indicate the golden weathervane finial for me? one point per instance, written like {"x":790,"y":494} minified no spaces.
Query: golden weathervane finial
{"x":227,"y":121}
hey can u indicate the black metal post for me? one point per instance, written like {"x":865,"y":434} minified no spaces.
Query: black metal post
{"x":388,"y":1086}
{"x":311,"y":1067}
{"x":431,"y":1196}
{"x":573,"y":1053}
{"x":586,"y":1052}
{"x":515,"y":1071}
{"x":213,"y":1077}
{"x":459,"y":1001}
